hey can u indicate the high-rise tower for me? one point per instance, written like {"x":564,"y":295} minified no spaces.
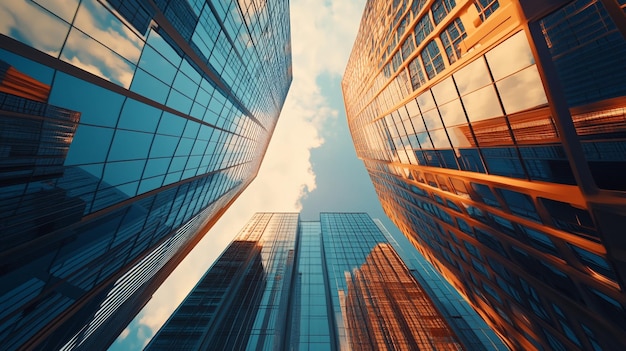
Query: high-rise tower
{"x":333,"y":284}
{"x":494,"y":134}
{"x":126,"y":129}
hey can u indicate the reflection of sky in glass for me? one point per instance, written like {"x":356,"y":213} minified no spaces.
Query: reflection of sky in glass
{"x":482,"y":104}
{"x":29,"y":23}
{"x":111,"y":55}
{"x":425,"y":101}
{"x":510,"y":56}
{"x":432,"y":119}
{"x":452,"y":113}
{"x":471,"y":77}
{"x":444,"y":91}
{"x":440,"y":139}
{"x":62,"y":8}
{"x":96,"y":21}
{"x":522,"y":90}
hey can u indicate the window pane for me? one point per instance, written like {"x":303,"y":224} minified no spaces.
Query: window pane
{"x":509,"y":57}
{"x":522,"y":90}
{"x":482,"y":104}
{"x":473,"y":76}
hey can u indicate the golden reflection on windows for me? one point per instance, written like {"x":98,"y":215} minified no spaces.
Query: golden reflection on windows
{"x":387,"y":309}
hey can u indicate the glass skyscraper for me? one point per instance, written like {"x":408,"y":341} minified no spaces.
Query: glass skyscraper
{"x":126,"y":129}
{"x":494,"y":134}
{"x":333,"y":284}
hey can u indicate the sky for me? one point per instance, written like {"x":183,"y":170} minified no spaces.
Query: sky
{"x":310,"y":165}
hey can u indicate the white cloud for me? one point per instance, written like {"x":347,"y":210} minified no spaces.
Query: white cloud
{"x":322,"y":36}
{"x":124,"y":334}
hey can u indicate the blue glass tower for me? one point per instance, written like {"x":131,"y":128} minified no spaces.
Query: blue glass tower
{"x":333,"y":284}
{"x":126,"y":129}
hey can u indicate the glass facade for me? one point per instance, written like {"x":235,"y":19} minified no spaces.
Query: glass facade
{"x":333,"y":284}
{"x":495,"y":143}
{"x":126,"y":129}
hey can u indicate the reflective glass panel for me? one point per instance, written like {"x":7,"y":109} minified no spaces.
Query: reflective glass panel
{"x":510,"y":56}
{"x":425,"y":101}
{"x":84,"y":52}
{"x":473,"y":76}
{"x":482,"y":104}
{"x":107,"y":29}
{"x":444,"y":91}
{"x":98,"y":139}
{"x":522,"y":90}
{"x":97,"y":105}
{"x":452,"y":113}
{"x":128,"y":145}
{"x":432,"y":119}
{"x":31,"y":24}
{"x":440,"y":139}
{"x":139,"y":116}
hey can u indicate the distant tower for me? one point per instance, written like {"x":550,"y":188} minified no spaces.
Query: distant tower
{"x":127,"y":128}
{"x":336,"y":284}
{"x":494,"y":132}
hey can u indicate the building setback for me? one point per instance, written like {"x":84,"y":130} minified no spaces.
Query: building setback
{"x":333,"y":284}
{"x":494,"y":134}
{"x":126,"y":130}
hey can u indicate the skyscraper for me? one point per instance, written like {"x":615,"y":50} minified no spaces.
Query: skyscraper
{"x":333,"y":284}
{"x":126,"y":129}
{"x":493,"y":131}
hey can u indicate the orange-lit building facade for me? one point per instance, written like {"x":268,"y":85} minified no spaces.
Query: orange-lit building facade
{"x":385,"y":306}
{"x":494,"y":134}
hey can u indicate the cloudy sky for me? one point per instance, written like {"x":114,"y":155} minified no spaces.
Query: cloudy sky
{"x":310,"y":166}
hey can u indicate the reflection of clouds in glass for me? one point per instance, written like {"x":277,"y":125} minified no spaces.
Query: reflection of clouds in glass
{"x":424,"y":140}
{"x":482,"y":104}
{"x":254,"y":7}
{"x":409,"y":151}
{"x":432,"y":119}
{"x":522,"y":90}
{"x":472,"y":76}
{"x":425,"y":101}
{"x":510,"y":56}
{"x":440,"y":139}
{"x":444,"y":91}
{"x":62,"y":8}
{"x":29,"y":23}
{"x":100,"y":24}
{"x":452,"y":113}
{"x":89,"y":55}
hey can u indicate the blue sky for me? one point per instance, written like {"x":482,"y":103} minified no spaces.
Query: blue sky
{"x":310,"y":166}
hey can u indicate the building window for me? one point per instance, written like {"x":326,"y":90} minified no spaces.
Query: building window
{"x":417,"y":6}
{"x":396,"y":61}
{"x":431,"y":56}
{"x":451,"y":37}
{"x":441,"y":8}
{"x":407,"y":48}
{"x":422,"y":29}
{"x":595,"y":262}
{"x":520,"y":204}
{"x":387,"y":71}
{"x":569,"y":218}
{"x":555,"y":344}
{"x":486,"y":194}
{"x":565,"y":325}
{"x":486,"y":8}
{"x":593,"y":340}
{"x":540,"y":241}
